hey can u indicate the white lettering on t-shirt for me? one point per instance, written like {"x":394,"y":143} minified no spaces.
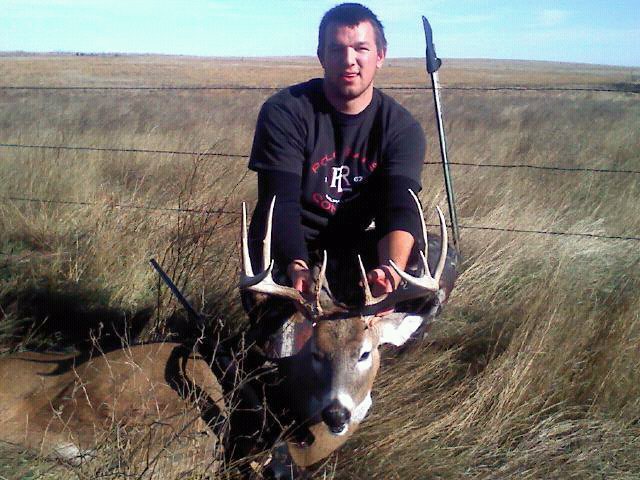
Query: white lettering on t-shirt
{"x":339,"y":175}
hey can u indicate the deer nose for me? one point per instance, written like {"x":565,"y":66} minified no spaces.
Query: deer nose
{"x":337,"y":417}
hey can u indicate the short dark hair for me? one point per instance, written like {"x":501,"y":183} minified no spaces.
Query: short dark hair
{"x":349,"y":14}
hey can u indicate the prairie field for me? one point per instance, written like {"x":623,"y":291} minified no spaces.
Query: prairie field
{"x":533,"y":369}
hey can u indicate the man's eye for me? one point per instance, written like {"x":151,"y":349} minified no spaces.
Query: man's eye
{"x":364,"y":356}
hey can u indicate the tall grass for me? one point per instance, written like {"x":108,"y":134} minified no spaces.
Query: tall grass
{"x":532,"y":371}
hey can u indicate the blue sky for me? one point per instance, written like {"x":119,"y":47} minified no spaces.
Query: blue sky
{"x":589,"y":31}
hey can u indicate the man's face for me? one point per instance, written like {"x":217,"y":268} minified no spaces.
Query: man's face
{"x":350,"y":59}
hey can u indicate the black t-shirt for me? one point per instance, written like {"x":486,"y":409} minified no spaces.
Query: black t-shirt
{"x":339,"y":166}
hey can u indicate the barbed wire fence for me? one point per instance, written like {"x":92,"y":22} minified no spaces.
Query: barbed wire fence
{"x":245,"y":156}
{"x":622,"y":88}
{"x":631,"y":89}
{"x":208,"y":211}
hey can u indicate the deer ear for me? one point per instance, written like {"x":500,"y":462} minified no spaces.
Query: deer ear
{"x":396,"y":328}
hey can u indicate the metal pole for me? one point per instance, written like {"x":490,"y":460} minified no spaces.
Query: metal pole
{"x":433,"y":64}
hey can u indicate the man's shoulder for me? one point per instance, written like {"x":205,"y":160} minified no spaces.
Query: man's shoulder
{"x":302,"y":96}
{"x":393,"y":112}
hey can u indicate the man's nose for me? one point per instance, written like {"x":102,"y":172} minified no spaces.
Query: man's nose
{"x":349,"y":56}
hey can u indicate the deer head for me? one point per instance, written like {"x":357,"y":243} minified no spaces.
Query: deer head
{"x":329,"y":379}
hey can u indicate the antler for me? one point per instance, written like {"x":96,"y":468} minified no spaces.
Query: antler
{"x":263,"y":282}
{"x":416,"y":287}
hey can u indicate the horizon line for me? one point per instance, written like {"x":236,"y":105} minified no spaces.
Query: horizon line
{"x":7,"y":53}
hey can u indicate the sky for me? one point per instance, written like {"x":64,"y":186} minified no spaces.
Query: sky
{"x":585,"y":31}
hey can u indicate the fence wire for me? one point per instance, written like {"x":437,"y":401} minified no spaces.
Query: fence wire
{"x":124,"y":150}
{"x":124,"y":206}
{"x":246,"y":156}
{"x":624,"y":88}
{"x":197,"y":211}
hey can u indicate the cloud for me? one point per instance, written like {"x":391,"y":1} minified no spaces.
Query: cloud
{"x":552,"y":17}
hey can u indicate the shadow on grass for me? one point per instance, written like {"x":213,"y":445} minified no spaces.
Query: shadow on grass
{"x":45,"y":318}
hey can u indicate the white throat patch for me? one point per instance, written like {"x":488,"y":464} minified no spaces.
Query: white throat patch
{"x":399,"y":333}
{"x":361,"y":410}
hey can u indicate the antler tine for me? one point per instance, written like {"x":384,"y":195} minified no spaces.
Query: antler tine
{"x":368,"y":297}
{"x":443,"y":246}
{"x":319,"y":283}
{"x":428,"y":281}
{"x":423,"y":225}
{"x":247,"y":279}
{"x":266,"y":244}
{"x":244,"y":241}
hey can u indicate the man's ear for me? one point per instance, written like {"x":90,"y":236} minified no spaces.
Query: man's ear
{"x":396,"y":328}
{"x":381,"y":57}
{"x":320,"y":59}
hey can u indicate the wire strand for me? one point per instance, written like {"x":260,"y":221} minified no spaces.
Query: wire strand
{"x":123,"y":150}
{"x":125,"y":206}
{"x":245,"y":156}
{"x":627,"y":88}
{"x":233,"y":212}
{"x":538,"y":167}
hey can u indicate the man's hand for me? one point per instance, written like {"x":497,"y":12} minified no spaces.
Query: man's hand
{"x":383,"y":279}
{"x":300,"y":276}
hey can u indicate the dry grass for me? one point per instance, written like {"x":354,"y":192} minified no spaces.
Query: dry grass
{"x":533,"y":370}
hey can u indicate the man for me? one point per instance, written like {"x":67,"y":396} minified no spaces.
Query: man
{"x":338,"y":153}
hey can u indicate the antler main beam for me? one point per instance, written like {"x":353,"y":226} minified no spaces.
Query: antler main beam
{"x":263,"y":282}
{"x":416,"y":287}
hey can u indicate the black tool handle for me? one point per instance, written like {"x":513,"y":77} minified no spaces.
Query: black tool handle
{"x":187,"y":306}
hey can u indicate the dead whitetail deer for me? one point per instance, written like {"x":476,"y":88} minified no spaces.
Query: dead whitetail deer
{"x":327,"y":383}
{"x":169,"y":397}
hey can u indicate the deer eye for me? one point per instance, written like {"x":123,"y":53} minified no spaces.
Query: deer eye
{"x":364,"y":356}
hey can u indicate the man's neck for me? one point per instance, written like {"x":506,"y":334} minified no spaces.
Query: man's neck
{"x":351,"y":106}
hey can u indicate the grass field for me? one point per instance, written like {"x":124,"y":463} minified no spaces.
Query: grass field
{"x":532,"y":370}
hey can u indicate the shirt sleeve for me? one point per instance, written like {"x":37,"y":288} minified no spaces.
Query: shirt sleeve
{"x":401,"y":171}
{"x":396,"y":208}
{"x":287,"y":238}
{"x":278,"y":143}
{"x":404,"y":154}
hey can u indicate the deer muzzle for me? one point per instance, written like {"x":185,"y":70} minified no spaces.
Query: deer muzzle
{"x":337,"y":417}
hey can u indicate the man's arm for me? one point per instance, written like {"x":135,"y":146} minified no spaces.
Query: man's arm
{"x":277,"y":155}
{"x":288,"y":246}
{"x":397,"y":219}
{"x":287,"y":237}
{"x":396,"y":246}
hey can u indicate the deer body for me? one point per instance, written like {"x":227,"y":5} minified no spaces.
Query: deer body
{"x":60,"y":405}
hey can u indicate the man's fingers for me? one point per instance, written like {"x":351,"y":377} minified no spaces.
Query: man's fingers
{"x":379,"y":281}
{"x":302,"y":281}
{"x":376,"y":275}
